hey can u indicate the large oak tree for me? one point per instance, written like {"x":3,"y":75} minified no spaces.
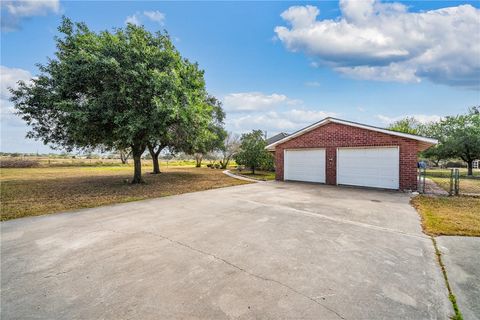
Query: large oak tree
{"x":116,"y":90}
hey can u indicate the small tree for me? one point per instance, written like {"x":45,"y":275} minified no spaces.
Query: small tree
{"x":252,"y":151}
{"x":231,"y":145}
{"x":124,"y":154}
{"x":207,"y":142}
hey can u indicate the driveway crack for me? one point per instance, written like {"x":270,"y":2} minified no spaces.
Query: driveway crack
{"x":243,"y":270}
{"x":340,"y":220}
{"x":56,"y":274}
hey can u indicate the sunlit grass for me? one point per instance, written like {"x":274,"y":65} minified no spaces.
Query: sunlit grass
{"x":36,"y":191}
{"x":449,"y":215}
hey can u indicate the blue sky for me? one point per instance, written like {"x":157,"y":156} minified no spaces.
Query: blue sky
{"x":279,"y":66}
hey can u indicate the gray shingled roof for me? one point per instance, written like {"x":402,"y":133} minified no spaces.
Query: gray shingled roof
{"x":276,"y":138}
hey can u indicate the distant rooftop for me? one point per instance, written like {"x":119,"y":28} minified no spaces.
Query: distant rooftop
{"x":276,"y":138}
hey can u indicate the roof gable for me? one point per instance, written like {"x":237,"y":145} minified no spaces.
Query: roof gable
{"x":424,"y":140}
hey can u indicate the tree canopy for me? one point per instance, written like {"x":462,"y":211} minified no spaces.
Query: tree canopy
{"x":458,"y":136}
{"x":408,"y":125}
{"x":115,"y":90}
{"x":252,"y":151}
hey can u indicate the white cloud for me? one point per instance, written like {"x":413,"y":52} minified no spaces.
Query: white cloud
{"x":30,"y":8}
{"x":303,"y":116}
{"x":133,"y":19}
{"x":393,"y":72}
{"x":384,"y":41}
{"x":274,"y":122}
{"x":10,"y":77}
{"x":155,"y":16}
{"x":422,"y":118}
{"x":255,"y":101}
{"x":14,"y":11}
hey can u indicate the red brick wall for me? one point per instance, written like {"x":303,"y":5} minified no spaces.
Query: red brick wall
{"x":333,"y":135}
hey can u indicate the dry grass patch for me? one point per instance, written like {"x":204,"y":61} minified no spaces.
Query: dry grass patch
{"x":455,"y":216}
{"x":37,"y":191}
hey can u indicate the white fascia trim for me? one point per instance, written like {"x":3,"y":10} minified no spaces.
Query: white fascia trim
{"x":271,"y":147}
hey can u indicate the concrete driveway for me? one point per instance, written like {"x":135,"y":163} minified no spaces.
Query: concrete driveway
{"x":461,"y":258}
{"x":269,"y":250}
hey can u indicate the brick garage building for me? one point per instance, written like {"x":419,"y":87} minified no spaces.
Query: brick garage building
{"x":335,"y":151}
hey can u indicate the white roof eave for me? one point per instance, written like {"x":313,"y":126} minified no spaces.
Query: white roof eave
{"x":271,"y":147}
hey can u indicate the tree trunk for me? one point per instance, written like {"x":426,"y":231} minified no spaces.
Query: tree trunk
{"x":224,"y":162}
{"x":137,"y":152}
{"x":123,"y":157}
{"x":253,"y":170}
{"x":156,"y":164}
{"x":470,"y":168}
{"x":155,"y":155}
{"x":198,"y":160}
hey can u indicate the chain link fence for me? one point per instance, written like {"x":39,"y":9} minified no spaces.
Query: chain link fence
{"x":452,"y":182}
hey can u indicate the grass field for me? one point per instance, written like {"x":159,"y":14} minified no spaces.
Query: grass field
{"x":468,"y":185}
{"x":82,"y":162}
{"x":259,"y":175}
{"x":37,"y":191}
{"x":449,"y":215}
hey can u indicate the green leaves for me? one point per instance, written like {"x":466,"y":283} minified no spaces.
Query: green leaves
{"x":114,"y":89}
{"x":458,"y":136}
{"x":408,"y":125}
{"x":117,"y":90}
{"x":252,"y":151}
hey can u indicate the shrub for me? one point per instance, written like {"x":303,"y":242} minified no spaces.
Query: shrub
{"x":456,"y":164}
{"x":18,"y":163}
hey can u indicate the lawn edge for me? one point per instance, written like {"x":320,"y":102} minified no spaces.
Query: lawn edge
{"x":241,"y":177}
{"x":451,"y":296}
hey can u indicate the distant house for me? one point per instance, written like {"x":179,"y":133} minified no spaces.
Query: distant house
{"x":476,"y":164}
{"x":276,"y":138}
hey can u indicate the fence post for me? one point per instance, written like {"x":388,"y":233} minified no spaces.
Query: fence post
{"x":424,"y":178}
{"x":450,"y":192}
{"x":457,"y":181}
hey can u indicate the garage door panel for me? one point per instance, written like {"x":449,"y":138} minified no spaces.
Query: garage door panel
{"x":305,"y":165}
{"x":370,"y":167}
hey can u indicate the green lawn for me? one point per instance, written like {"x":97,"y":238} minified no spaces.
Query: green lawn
{"x":35,"y":191}
{"x":259,"y":175}
{"x":455,"y":216}
{"x":467,"y":184}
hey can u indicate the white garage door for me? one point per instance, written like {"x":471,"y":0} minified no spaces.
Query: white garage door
{"x":305,"y":165}
{"x":369,"y":167}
